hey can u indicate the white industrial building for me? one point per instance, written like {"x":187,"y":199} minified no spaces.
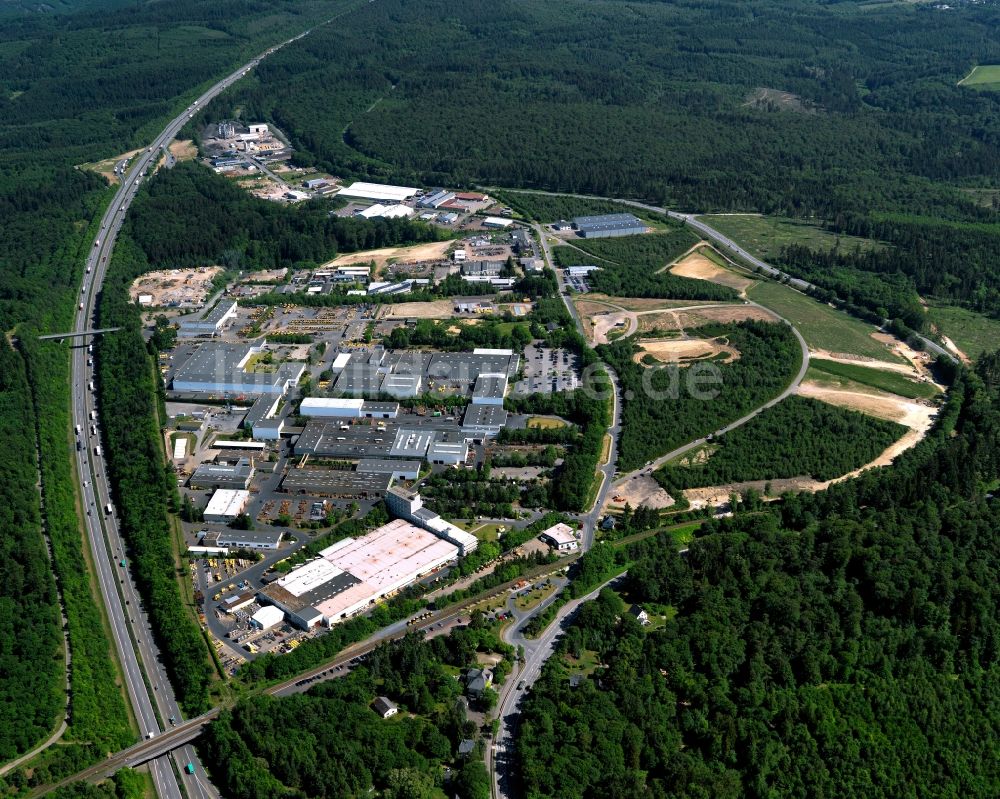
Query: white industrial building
{"x":406,"y":504}
{"x":561,"y":537}
{"x":354,"y":574}
{"x":267,"y":617}
{"x":378,"y":192}
{"x":496,"y":222}
{"x":209,"y":324}
{"x":340,"y":361}
{"x":402,"y":385}
{"x":226,"y":504}
{"x":450,"y":453}
{"x":348,"y":408}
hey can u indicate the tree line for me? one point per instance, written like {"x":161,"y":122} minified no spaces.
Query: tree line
{"x":797,"y":437}
{"x":838,"y":643}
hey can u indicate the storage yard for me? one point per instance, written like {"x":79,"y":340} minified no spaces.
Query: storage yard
{"x":174,"y":288}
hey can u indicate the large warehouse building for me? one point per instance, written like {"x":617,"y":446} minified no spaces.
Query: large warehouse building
{"x":226,"y":504}
{"x":350,"y":576}
{"x":377,"y":191}
{"x":218,"y":368}
{"x":596,"y":227}
{"x":208,"y":324}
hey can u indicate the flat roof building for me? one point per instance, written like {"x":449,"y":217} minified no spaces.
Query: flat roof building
{"x":377,"y":191}
{"x":399,"y":469}
{"x":411,"y":442}
{"x":208,"y":324}
{"x":218,"y":368}
{"x":450,"y":453}
{"x":226,"y":504}
{"x":483,"y":420}
{"x":267,"y":617}
{"x":337,"y":407}
{"x":326,"y":439}
{"x":241,"y":539}
{"x":402,"y":385}
{"x":490,"y":389}
{"x":496,"y":222}
{"x":221,"y":475}
{"x":352,"y":575}
{"x":359,"y":379}
{"x":407,"y":504}
{"x":594,"y":227}
{"x":337,"y":483}
{"x":482,"y":268}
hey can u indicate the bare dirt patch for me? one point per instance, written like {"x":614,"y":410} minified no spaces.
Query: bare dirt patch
{"x":643,"y":490}
{"x":766,"y":99}
{"x":696,"y":265}
{"x":683,"y":351}
{"x":179,"y":287}
{"x":954,"y":350}
{"x":438,"y":309}
{"x":184,"y":150}
{"x":642,"y":303}
{"x":106,"y":168}
{"x":433,"y":251}
{"x":724,"y":314}
{"x":604,"y":323}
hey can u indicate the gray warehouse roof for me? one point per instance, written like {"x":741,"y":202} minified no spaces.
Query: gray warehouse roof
{"x":490,"y":387}
{"x":411,"y":442}
{"x":336,"y":482}
{"x":387,"y":466}
{"x":607,"y":222}
{"x":359,"y":380}
{"x":328,"y":590}
{"x":467,"y":366}
{"x":484,"y":416}
{"x":326,"y":439}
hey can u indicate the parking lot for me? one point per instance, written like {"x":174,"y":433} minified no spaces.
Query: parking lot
{"x":548,"y":370}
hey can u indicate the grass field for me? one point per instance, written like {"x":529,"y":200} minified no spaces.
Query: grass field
{"x":546,"y":422}
{"x":985,"y":76}
{"x":765,"y":236}
{"x":893,"y":382}
{"x":820,"y":325}
{"x":972,"y":333}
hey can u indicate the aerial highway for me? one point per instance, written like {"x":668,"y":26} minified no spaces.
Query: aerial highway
{"x":149,"y":691}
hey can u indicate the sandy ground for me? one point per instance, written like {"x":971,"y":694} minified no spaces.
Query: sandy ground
{"x":184,"y":150}
{"x":682,"y":350}
{"x":438,"y":309}
{"x":433,"y":251}
{"x":604,"y":323}
{"x":699,"y":267}
{"x":186,"y":286}
{"x":106,"y":168}
{"x":641,"y":491}
{"x":266,"y":276}
{"x":683,"y":319}
{"x":954,"y":350}
{"x":916,"y":416}
{"x":641,"y":303}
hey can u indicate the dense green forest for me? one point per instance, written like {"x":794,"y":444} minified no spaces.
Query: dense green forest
{"x":663,"y":406}
{"x":798,"y":436}
{"x":839,"y":644}
{"x":31,"y":658}
{"x":847,"y":112}
{"x":329,"y":741}
{"x":191,"y":216}
{"x":87,"y":83}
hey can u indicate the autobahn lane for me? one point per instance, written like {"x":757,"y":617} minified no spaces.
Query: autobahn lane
{"x":132,"y":635}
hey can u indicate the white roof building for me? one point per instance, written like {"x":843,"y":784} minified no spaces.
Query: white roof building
{"x":332,"y":407}
{"x":378,"y":191}
{"x":560,"y":536}
{"x":373,"y":211}
{"x":267,"y":617}
{"x":496,"y":222}
{"x":226,"y":504}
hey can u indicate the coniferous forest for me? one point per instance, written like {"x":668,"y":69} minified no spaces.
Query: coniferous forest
{"x":840,"y":644}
